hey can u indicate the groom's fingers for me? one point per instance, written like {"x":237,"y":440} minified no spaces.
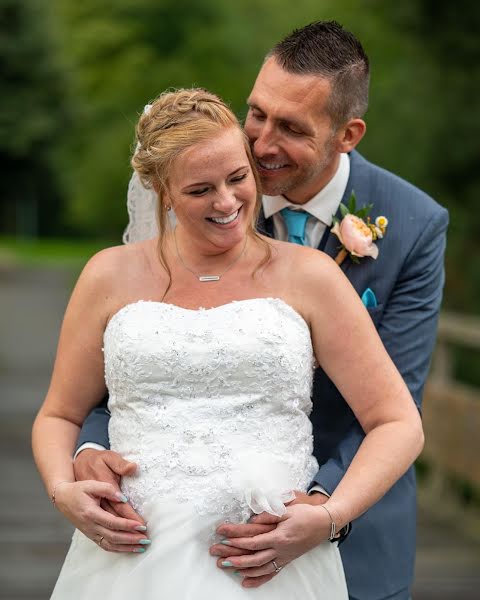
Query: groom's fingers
{"x":230,"y":530}
{"x":254,"y":544}
{"x":265,"y":569}
{"x":265,"y":519}
{"x":224,"y":551}
{"x":114,"y":523}
{"x":102,"y":465}
{"x":120,"y":509}
{"x":254,"y":582}
{"x":90,"y":465}
{"x":119,"y":465}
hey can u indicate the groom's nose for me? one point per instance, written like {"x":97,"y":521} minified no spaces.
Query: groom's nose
{"x":266,"y":142}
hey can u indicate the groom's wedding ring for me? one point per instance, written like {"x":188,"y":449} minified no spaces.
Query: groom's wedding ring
{"x":101,"y":540}
{"x":276,"y":567}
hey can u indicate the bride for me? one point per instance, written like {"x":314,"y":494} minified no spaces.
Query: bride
{"x":206,"y":339}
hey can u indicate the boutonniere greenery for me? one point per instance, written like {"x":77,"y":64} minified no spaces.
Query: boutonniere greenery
{"x":356,"y":233}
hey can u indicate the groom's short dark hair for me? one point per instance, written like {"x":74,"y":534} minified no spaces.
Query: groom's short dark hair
{"x":325,"y":49}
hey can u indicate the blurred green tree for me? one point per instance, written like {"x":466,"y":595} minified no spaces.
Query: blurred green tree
{"x":127,"y":52}
{"x":119,"y":55}
{"x":446,"y":120}
{"x":34,"y":112}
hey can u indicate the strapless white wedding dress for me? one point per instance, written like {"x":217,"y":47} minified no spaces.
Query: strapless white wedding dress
{"x":213,"y":406}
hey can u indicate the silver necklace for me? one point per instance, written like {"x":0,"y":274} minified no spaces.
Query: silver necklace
{"x":204,"y":278}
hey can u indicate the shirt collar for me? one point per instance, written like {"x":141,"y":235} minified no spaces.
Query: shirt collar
{"x":324,"y":204}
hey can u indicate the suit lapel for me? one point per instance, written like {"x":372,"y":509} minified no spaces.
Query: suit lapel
{"x":265,"y":226}
{"x":330,"y":244}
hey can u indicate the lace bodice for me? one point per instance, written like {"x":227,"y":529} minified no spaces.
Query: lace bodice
{"x":211,"y":404}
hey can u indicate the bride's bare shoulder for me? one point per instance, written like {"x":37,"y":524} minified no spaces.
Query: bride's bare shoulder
{"x":111,"y":267}
{"x":304,"y":260}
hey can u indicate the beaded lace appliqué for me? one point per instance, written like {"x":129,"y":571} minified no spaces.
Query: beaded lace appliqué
{"x":211,"y":404}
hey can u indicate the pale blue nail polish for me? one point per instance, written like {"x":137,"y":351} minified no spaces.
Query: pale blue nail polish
{"x":145,"y":542}
{"x":121,"y":497}
{"x":226,"y":542}
{"x":139,"y":550}
{"x":141,"y":528}
{"x":227,"y":563}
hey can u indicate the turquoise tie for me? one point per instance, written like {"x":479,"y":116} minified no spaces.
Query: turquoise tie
{"x":296,"y":221}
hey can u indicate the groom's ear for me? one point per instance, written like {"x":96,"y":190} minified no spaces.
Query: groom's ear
{"x":350,"y":134}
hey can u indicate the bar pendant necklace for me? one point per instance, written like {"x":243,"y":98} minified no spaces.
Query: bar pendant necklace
{"x":206,"y":278}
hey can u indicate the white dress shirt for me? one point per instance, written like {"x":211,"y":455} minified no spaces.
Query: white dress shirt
{"x":320,"y":208}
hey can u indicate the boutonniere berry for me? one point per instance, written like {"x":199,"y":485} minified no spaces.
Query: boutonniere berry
{"x":356,"y":233}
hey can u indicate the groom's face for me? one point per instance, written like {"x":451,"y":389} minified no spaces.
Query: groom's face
{"x":291,"y":133}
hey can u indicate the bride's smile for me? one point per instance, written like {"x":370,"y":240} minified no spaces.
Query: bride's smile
{"x":212,"y":190}
{"x":223,"y":221}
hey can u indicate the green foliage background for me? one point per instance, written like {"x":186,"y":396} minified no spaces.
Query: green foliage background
{"x":76,"y":75}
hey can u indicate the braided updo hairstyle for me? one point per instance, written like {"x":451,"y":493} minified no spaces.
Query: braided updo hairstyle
{"x":172,"y":123}
{"x":169,"y":125}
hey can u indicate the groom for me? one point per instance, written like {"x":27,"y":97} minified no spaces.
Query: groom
{"x":304,"y":122}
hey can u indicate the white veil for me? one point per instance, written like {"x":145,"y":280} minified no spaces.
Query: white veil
{"x":142,"y":212}
{"x":142,"y":204}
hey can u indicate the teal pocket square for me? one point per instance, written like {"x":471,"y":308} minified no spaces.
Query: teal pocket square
{"x":369,"y":299}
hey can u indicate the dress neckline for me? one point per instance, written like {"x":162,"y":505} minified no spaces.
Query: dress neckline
{"x":201,"y":309}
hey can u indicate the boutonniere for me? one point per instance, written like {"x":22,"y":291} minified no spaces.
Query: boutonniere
{"x":356,"y":233}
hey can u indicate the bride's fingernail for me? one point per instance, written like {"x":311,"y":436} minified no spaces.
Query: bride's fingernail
{"x":139,"y":550}
{"x":145,"y":542}
{"x":121,"y":497}
{"x":227,"y":563}
{"x":226,"y":542}
{"x":141,"y":528}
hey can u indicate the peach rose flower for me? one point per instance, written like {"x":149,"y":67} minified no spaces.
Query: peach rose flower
{"x":355,"y":236}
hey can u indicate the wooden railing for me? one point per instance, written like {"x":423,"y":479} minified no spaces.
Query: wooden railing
{"x":451,"y":418}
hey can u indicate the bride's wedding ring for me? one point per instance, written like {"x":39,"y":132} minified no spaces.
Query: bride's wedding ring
{"x":276,"y":567}
{"x":102,"y":537}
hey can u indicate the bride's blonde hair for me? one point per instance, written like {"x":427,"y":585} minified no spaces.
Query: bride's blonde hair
{"x":169,"y":125}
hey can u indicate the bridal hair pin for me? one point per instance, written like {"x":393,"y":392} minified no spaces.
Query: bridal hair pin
{"x":147,"y":108}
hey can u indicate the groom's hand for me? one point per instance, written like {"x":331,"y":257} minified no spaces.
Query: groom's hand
{"x":243,"y":530}
{"x":108,"y":467}
{"x":252,"y":564}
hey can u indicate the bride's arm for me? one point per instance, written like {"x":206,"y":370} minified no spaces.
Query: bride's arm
{"x":77,"y":385}
{"x":77,"y":382}
{"x":351,"y":353}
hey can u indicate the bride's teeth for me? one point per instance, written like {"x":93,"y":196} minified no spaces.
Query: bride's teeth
{"x":225,"y":220}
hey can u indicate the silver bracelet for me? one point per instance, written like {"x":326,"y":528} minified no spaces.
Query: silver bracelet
{"x":333,"y":527}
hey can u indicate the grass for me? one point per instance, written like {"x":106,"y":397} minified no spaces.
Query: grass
{"x":47,"y":251}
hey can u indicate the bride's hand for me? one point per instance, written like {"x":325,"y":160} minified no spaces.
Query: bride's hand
{"x":80,"y":503}
{"x":303,"y":527}
{"x":262,"y":523}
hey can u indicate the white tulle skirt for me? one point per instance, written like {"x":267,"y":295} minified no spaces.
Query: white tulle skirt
{"x":177,"y":566}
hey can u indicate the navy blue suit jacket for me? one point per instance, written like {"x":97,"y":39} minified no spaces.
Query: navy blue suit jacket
{"x":407,"y":279}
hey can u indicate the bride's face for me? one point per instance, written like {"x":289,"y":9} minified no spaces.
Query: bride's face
{"x":212,"y":190}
